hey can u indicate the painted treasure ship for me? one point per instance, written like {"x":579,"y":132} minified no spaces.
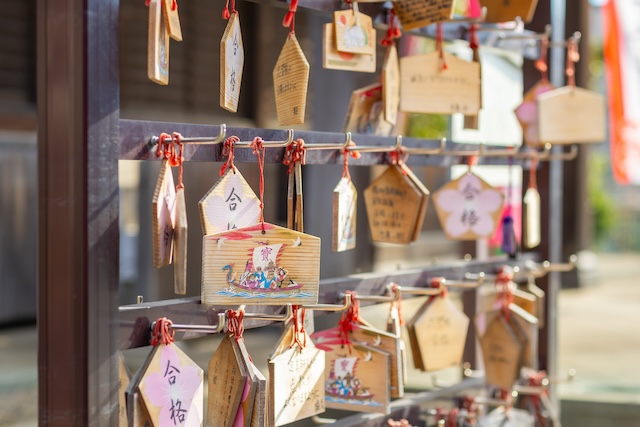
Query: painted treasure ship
{"x":263,"y":272}
{"x":343,"y":383}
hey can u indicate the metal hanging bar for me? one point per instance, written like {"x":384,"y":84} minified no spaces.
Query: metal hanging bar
{"x":395,"y":295}
{"x":442,"y":282}
{"x":204,"y":329}
{"x":272,"y":317}
{"x":204,"y":140}
{"x":514,"y":25}
{"x":347,"y":141}
{"x":529,"y":36}
{"x":268,"y":144}
{"x":575,"y":38}
{"x":330,"y":307}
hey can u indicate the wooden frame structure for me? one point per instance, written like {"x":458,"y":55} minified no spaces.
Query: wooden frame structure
{"x":81,"y":138}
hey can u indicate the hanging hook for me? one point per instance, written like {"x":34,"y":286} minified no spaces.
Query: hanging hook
{"x":272,"y":317}
{"x":330,"y":146}
{"x":427,"y":151}
{"x":269,"y":144}
{"x":153,"y":141}
{"x":393,"y":294}
{"x":205,"y":329}
{"x":330,"y":307}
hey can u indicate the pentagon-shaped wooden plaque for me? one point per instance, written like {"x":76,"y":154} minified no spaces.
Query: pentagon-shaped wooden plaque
{"x":527,"y":324}
{"x":428,"y":88}
{"x":244,"y":415}
{"x":569,"y":115}
{"x":357,"y":378}
{"x":502,"y":353}
{"x":365,"y":113}
{"x":245,"y":266}
{"x":137,"y":413}
{"x":527,"y":112}
{"x":332,"y":59}
{"x":388,"y":343}
{"x":423,"y":203}
{"x":158,"y":45}
{"x":231,"y":64}
{"x":227,"y":377}
{"x":180,"y":234}
{"x":504,"y":11}
{"x":172,"y":19}
{"x":441,"y":332}
{"x":354,"y":36}
{"x":393,"y":206}
{"x":260,"y":414}
{"x":124,"y":378}
{"x":290,"y":82}
{"x":296,"y":380}
{"x":391,"y":84}
{"x":345,"y":202}
{"x":419,"y":13}
{"x":468,"y":208}
{"x":163,"y":208}
{"x":229,"y":204}
{"x":172,"y":388}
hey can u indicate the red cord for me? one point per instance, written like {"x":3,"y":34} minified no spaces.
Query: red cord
{"x":235,"y":324}
{"x":162,"y":332}
{"x":258,"y":150}
{"x":541,"y":62}
{"x":440,"y":44}
{"x":228,"y":150}
{"x":345,"y":155}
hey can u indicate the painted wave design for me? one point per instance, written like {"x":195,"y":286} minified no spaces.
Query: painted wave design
{"x":352,"y":401}
{"x":251,"y":295}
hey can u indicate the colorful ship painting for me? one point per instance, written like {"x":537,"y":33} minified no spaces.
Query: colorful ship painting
{"x":263,"y":272}
{"x":344,"y":386}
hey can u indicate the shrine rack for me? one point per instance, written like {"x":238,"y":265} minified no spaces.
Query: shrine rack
{"x":81,"y":138}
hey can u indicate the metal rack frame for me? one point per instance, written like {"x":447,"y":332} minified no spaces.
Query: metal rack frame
{"x":81,"y":138}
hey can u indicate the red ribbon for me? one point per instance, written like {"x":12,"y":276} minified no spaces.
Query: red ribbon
{"x":289,"y":18}
{"x":229,"y":152}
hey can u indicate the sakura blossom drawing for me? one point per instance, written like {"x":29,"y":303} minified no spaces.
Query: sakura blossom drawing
{"x":468,"y":208}
{"x":172,"y":389}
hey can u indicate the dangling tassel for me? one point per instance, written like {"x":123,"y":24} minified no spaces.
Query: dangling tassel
{"x":509,"y":245}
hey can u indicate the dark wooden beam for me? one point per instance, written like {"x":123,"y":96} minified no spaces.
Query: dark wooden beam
{"x":78,"y":113}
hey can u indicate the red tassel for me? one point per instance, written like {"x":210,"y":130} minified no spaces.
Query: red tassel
{"x":288,"y":18}
{"x":174,"y":5}
{"x":225,"y":13}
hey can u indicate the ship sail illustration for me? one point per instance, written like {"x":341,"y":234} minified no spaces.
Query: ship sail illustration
{"x":263,"y":272}
{"x":343,"y":382}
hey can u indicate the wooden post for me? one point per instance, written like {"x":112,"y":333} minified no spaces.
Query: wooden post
{"x":78,"y":113}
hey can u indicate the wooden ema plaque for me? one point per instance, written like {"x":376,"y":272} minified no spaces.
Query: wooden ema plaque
{"x":439,"y":331}
{"x":180,"y":233}
{"x":532,"y":217}
{"x":244,"y":414}
{"x":391,"y":84}
{"x":245,"y":266}
{"x":540,"y":295}
{"x":229,"y":204}
{"x":260,"y":414}
{"x":345,"y":202}
{"x":356,"y":378}
{"x":296,"y":380}
{"x":136,"y":411}
{"x":428,"y":88}
{"x":227,"y":377}
{"x":423,"y":203}
{"x":509,"y":10}
{"x":527,"y":325}
{"x":158,"y":45}
{"x":290,"y":82}
{"x":468,"y":208}
{"x":172,"y":388}
{"x":231,"y":64}
{"x":571,"y":115}
{"x":393,"y":206}
{"x":332,"y":59}
{"x":354,"y":32}
{"x":365,"y":113}
{"x":502,"y":353}
{"x":124,"y":379}
{"x":390,"y":344}
{"x":419,"y":13}
{"x":172,"y":19}
{"x":527,"y":112}
{"x":394,"y":327}
{"x":163,"y":207}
